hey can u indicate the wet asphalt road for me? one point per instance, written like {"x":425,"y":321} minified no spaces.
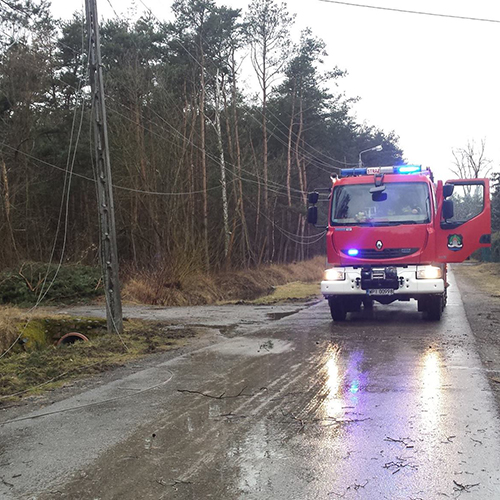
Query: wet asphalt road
{"x":383,"y":406}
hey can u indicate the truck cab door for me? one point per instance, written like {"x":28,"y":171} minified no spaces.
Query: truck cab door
{"x":463,"y":223}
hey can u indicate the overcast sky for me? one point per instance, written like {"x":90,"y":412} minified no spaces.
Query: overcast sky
{"x":434,"y":81}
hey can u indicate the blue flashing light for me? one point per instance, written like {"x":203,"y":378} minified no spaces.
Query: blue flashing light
{"x":348,"y":172}
{"x":409,"y":169}
{"x":400,"y":169}
{"x":353,"y":252}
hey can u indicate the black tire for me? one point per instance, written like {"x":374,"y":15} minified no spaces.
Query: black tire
{"x":434,"y":307}
{"x":368,"y":303}
{"x":337,"y":308}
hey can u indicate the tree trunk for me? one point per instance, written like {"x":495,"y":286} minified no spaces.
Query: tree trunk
{"x":245,"y":244}
{"x":257,"y":209}
{"x":225,"y":212}
{"x":10,"y":248}
{"x":204,"y":159}
{"x":289,"y":175}
{"x":267,"y":252}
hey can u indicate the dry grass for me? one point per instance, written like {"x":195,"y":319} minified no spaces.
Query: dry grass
{"x":13,"y":321}
{"x":290,"y":292}
{"x":10,"y":317}
{"x":31,"y":372}
{"x":171,"y":289}
{"x":38,"y":366}
{"x":484,"y":275}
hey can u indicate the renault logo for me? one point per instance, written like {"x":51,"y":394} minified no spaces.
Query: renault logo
{"x":379,"y":245}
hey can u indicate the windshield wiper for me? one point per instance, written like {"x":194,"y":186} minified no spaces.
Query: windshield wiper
{"x":395,"y":222}
{"x":374,"y":223}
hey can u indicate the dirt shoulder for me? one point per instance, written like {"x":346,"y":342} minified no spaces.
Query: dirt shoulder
{"x":172,"y":331}
{"x":479,"y":285}
{"x":34,"y":365}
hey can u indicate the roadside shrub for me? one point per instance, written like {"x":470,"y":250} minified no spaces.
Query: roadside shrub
{"x":166,"y":286}
{"x":10,"y":318}
{"x":495,"y":247}
{"x":24,"y":285}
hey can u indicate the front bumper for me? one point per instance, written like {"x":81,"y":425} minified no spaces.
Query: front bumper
{"x":408,"y":284}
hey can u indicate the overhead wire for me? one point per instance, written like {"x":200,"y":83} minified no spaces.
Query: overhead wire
{"x":213,"y":76}
{"x":178,"y":133}
{"x":71,"y":174}
{"x":130,"y":189}
{"x":233,"y":173}
{"x":113,"y":9}
{"x":90,"y":405}
{"x":173,"y":131}
{"x":284,"y":232}
{"x":304,"y":151}
{"x":64,"y":203}
{"x":64,"y":208}
{"x":316,"y":161}
{"x":66,"y":188}
{"x":407,"y":11}
{"x":212,"y":157}
{"x":296,"y":238}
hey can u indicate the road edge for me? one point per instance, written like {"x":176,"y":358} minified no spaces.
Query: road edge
{"x":483,"y":314}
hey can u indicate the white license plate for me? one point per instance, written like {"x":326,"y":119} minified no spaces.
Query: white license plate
{"x":381,"y":291}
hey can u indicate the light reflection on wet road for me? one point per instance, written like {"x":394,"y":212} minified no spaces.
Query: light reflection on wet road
{"x":385,"y":405}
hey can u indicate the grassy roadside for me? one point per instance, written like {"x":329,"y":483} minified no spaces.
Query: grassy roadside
{"x":29,"y":372}
{"x":189,"y":289}
{"x":297,"y":290}
{"x":35,"y":364}
{"x":484,"y":275}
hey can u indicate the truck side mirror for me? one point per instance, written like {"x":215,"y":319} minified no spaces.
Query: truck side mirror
{"x":313,"y":197}
{"x":448,"y":190}
{"x":312,"y":214}
{"x":447,"y":209}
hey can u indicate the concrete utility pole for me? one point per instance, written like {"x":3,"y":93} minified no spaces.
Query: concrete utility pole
{"x":109,"y":252}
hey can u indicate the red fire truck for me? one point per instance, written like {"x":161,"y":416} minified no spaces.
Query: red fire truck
{"x":392,"y":230}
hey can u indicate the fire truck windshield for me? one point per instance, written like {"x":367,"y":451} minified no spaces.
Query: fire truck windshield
{"x":399,"y":203}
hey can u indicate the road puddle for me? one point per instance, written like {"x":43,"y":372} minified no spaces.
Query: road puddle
{"x":250,"y":346}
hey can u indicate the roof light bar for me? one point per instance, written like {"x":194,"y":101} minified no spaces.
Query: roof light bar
{"x":350,"y":172}
{"x":380,"y":170}
{"x":410,"y":169}
{"x":401,"y":169}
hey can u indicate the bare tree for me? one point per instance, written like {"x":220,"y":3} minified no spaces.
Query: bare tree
{"x":268,"y":28}
{"x":225,"y":212}
{"x":471,"y":162}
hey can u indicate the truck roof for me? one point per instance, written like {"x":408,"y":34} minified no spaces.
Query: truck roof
{"x":368,"y":179}
{"x":406,"y":173}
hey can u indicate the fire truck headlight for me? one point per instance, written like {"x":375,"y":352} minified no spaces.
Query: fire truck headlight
{"x":429,"y":273}
{"x":334,"y":274}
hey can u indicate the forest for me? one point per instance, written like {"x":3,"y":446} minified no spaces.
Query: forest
{"x":211,"y":169}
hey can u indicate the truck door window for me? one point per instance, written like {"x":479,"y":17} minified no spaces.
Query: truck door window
{"x":401,"y":203}
{"x":468,"y":202}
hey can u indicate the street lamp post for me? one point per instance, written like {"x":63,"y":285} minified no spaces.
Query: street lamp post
{"x":375,"y":148}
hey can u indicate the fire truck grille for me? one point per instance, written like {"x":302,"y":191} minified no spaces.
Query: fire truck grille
{"x":386,"y":253}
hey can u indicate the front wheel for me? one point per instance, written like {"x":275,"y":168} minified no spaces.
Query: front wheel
{"x":435,"y":307}
{"x":338,"y":308}
{"x":368,"y":303}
